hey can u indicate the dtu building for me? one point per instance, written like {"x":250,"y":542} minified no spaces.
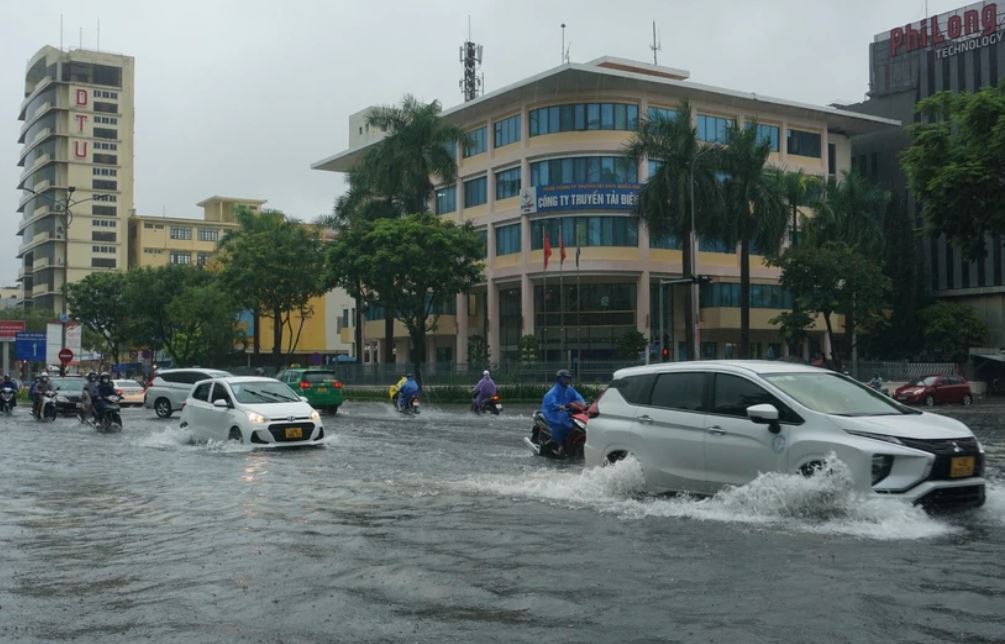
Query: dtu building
{"x":546,"y":157}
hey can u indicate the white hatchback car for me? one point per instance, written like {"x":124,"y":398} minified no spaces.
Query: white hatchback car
{"x":250,"y":409}
{"x":698,"y":427}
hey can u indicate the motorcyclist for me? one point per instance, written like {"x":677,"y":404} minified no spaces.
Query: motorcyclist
{"x":259,"y":371}
{"x":105,"y":389}
{"x":484,"y":390}
{"x":90,"y":394}
{"x":392,"y":391}
{"x":876,"y":382}
{"x":38,"y":390}
{"x":407,"y":391}
{"x":555,"y":407}
{"x":9,"y":382}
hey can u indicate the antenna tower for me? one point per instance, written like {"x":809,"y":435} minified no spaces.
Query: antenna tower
{"x":471,"y":58}
{"x":656,"y":46}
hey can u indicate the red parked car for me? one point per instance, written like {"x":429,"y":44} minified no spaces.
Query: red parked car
{"x":935,"y":390}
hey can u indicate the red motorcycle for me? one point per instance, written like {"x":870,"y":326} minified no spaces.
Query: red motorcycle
{"x":540,"y":441}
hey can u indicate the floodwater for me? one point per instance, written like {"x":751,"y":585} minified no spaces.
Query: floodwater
{"x":444,"y":528}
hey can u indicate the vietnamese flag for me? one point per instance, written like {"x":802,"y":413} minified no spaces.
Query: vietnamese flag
{"x":547,"y":250}
{"x":561,"y":251}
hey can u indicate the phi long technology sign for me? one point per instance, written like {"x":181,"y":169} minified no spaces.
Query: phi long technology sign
{"x":972,"y":27}
{"x":585,"y":196}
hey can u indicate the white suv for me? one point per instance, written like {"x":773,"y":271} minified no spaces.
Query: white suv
{"x":168,"y":391}
{"x":700,"y":426}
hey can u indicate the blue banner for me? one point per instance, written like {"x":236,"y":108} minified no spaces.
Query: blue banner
{"x":30,"y":347}
{"x":583,"y":197}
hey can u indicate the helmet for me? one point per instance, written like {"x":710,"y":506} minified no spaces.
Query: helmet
{"x":104,"y":375}
{"x":485,"y":373}
{"x":44,"y":376}
{"x":259,"y":371}
{"x":563,"y":373}
{"x":92,"y":376}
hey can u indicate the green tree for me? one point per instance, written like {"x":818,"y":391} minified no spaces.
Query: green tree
{"x":99,"y":303}
{"x":829,"y":279}
{"x":426,"y":261}
{"x":955,"y":165}
{"x":631,"y":345}
{"x":273,"y":266}
{"x":950,"y":329}
{"x":665,"y":198}
{"x":528,"y":346}
{"x":204,"y":319}
{"x":755,"y":209}
{"x":479,"y":354}
{"x":851,"y":210}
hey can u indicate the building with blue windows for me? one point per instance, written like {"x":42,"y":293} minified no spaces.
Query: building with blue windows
{"x":545,"y":156}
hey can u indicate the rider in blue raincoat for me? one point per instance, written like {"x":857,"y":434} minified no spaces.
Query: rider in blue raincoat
{"x":407,"y":390}
{"x":555,"y":406}
{"x":485,"y":389}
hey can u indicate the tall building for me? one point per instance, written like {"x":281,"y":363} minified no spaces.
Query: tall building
{"x":546,"y":155}
{"x":77,"y":182}
{"x":958,"y":51}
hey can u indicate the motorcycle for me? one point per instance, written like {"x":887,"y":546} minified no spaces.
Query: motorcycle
{"x":540,"y":441}
{"x":493,"y":405}
{"x":47,"y":406}
{"x":8,"y":398}
{"x":411,"y":407}
{"x":109,"y":420}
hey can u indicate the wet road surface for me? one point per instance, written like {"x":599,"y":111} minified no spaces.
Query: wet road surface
{"x":444,"y":528}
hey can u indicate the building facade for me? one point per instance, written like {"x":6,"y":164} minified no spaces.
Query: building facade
{"x":957,"y":51}
{"x":546,"y":155}
{"x":77,"y":179}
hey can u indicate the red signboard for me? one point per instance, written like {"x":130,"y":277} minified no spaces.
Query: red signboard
{"x":9,"y":329}
{"x":929,"y":32}
{"x":65,"y":355}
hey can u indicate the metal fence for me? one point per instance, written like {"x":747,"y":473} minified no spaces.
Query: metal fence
{"x":594,"y":372}
{"x":902,"y":371}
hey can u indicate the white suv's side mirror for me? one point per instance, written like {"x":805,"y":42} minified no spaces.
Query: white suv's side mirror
{"x":765,"y":415}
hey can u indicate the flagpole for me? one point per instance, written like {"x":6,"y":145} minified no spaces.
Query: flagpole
{"x":561,"y":301}
{"x":579,"y":320}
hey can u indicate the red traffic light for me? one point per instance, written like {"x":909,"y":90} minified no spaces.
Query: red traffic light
{"x":665,"y":353}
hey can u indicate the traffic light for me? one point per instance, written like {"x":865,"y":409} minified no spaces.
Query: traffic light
{"x":665,"y":354}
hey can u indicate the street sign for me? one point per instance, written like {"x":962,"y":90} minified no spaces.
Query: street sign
{"x":30,"y":347}
{"x":9,"y":329}
{"x":315,"y":359}
{"x":65,"y":355}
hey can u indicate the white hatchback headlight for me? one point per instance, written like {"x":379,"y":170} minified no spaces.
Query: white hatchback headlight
{"x":258,"y":419}
{"x":316,"y":416}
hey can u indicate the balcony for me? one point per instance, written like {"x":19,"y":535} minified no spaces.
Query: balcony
{"x":41,"y":87}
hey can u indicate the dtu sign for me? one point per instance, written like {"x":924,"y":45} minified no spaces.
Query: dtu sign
{"x":80,"y":99}
{"x":929,"y":32}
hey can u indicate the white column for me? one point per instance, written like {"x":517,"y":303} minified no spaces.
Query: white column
{"x":527,"y":304}
{"x":492,"y":311}
{"x":643,"y":306}
{"x":461,"y":352}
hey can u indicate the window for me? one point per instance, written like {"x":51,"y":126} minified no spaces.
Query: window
{"x":107,"y":159}
{"x":635,"y":389}
{"x":201,"y":392}
{"x":446,"y":200}
{"x":586,"y":231}
{"x":714,"y":129}
{"x":583,"y":170}
{"x":181,"y":232}
{"x":727,"y":294}
{"x":106,"y":120}
{"x":667,"y":242}
{"x":100,"y":106}
{"x":475,"y":192}
{"x":209,"y":234}
{"x":507,"y":131}
{"x":202,"y":259}
{"x":100,"y":93}
{"x":715,"y":246}
{"x":768,"y":134}
{"x":831,"y":160}
{"x":104,"y":172}
{"x":99,"y":184}
{"x":732,"y":395}
{"x":102,"y":262}
{"x":508,"y":239}
{"x":476,"y":143}
{"x":105,"y":197}
{"x":220,"y":393}
{"x":99,"y":145}
{"x":103,"y":223}
{"x":153,"y":251}
{"x":684,"y":391}
{"x":102,"y":236}
{"x":804,"y":144}
{"x":664,"y":113}
{"x":181,"y":258}
{"x":508,"y":183}
{"x":103,"y":210}
{"x":105,"y":133}
{"x":103,"y":249}
{"x":575,"y":117}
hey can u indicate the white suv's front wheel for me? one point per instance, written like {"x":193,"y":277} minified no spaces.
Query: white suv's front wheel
{"x":163,"y":407}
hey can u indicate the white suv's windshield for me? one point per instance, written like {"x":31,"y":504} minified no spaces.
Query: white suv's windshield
{"x":263,"y":391}
{"x":830,"y":393}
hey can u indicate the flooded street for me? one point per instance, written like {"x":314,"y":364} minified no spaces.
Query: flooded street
{"x":444,"y":528}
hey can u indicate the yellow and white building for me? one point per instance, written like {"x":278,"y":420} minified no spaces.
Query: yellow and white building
{"x":548,"y":154}
{"x":77,"y":178}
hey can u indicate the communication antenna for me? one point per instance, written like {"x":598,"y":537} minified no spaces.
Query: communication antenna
{"x":98,"y":46}
{"x":656,"y":46}
{"x":60,"y":32}
{"x":564,"y":54}
{"x":471,"y":59}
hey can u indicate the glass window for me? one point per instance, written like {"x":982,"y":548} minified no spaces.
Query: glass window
{"x":263,"y":392}
{"x":714,"y":246}
{"x":507,"y":131}
{"x":446,"y":200}
{"x":684,"y":390}
{"x":714,"y":129}
{"x":476,"y":143}
{"x":732,"y":395}
{"x":181,"y":232}
{"x":635,"y":389}
{"x":181,"y":258}
{"x":586,"y":231}
{"x":668,"y":242}
{"x":804,"y":144}
{"x":768,"y":134}
{"x":508,"y":183}
{"x":583,"y":116}
{"x":508,"y":239}
{"x":474,"y":192}
{"x":209,"y":234}
{"x":583,"y":170}
{"x":202,"y":392}
{"x":831,"y":393}
{"x":664,"y":113}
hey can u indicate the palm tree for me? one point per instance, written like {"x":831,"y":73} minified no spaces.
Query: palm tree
{"x":664,"y":203}
{"x":852,"y":211}
{"x":756,"y":210}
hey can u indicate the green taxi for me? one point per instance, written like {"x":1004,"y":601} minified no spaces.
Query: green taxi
{"x":320,"y":386}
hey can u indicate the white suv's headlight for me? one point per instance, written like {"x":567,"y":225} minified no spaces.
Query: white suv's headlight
{"x":258,"y":419}
{"x":315,"y":416}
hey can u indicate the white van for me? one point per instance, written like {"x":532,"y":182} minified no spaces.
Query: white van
{"x":700,"y":426}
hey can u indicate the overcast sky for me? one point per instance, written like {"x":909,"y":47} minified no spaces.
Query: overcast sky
{"x":239,"y":98}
